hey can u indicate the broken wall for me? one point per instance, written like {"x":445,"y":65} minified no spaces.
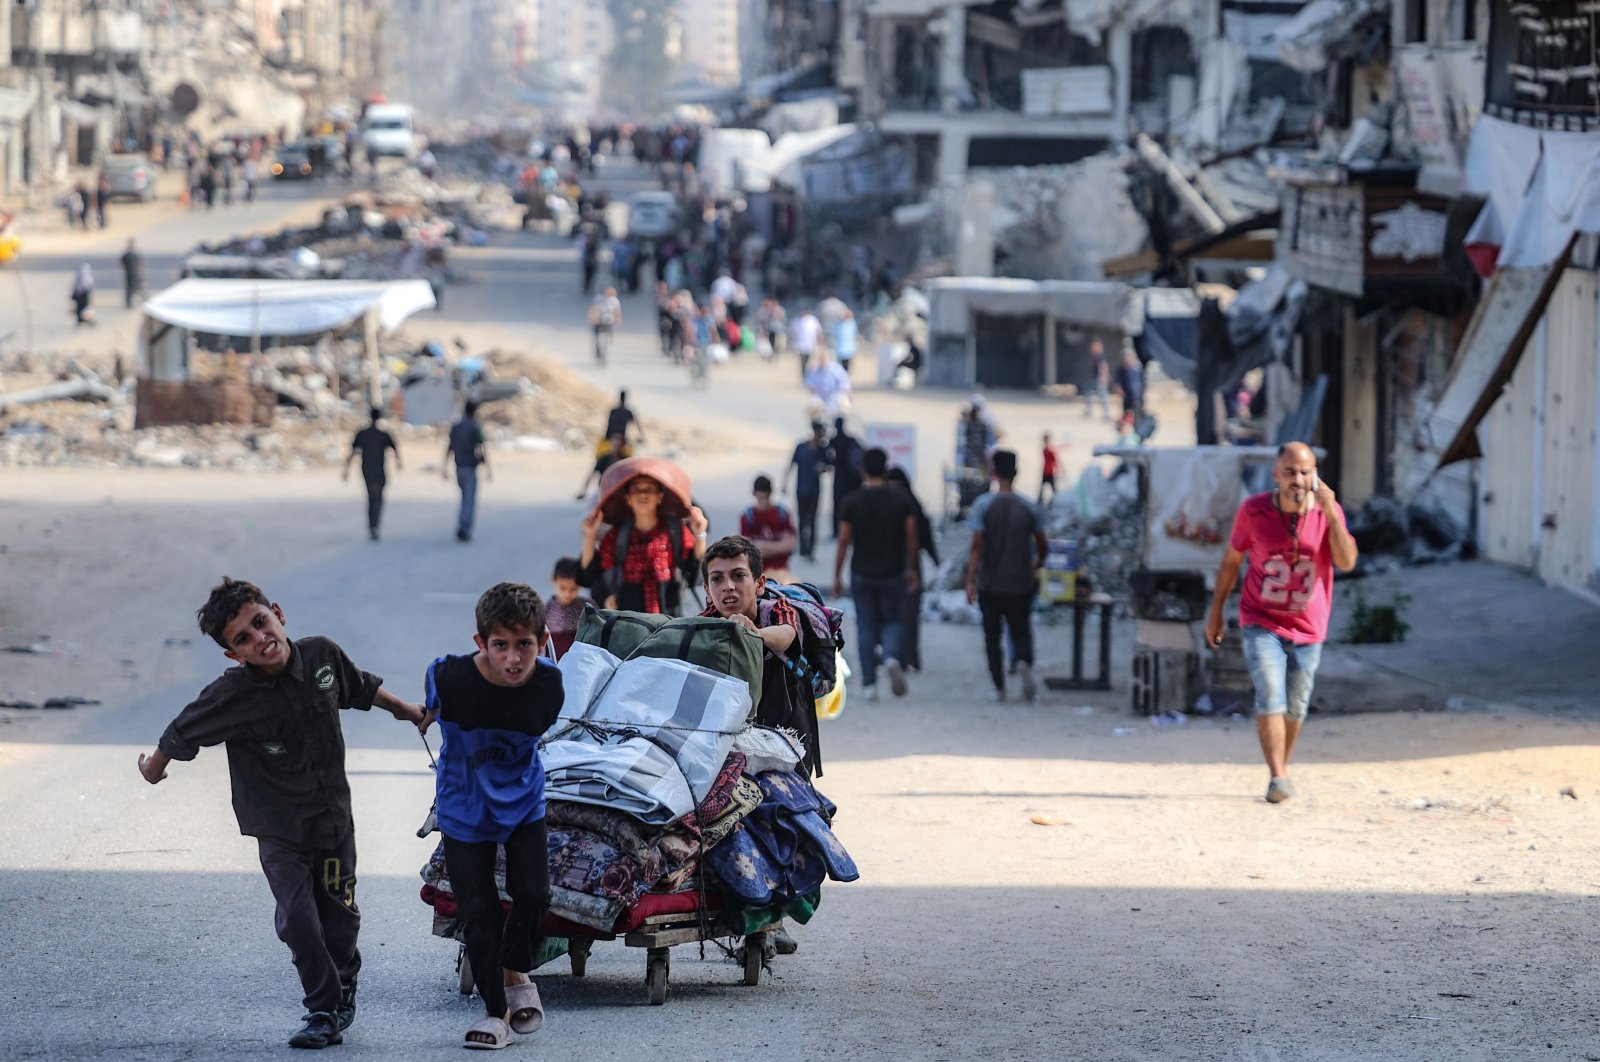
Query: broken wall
{"x":1053,"y":222}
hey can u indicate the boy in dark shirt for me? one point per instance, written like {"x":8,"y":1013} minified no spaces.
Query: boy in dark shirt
{"x":278,"y":715}
{"x":492,"y":706}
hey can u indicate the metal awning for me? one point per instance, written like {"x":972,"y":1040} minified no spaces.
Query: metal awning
{"x":769,"y":85}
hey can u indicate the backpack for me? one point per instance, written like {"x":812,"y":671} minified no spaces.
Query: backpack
{"x":821,"y":636}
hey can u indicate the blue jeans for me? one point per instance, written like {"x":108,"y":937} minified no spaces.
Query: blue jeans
{"x":1282,"y":672}
{"x":879,"y":621}
{"x":467,"y":480}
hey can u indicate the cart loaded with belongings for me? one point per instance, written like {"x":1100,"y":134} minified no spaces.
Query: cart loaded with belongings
{"x":671,"y":818}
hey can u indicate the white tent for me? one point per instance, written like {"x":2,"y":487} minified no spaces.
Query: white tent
{"x":285,"y":307}
{"x":783,"y":162}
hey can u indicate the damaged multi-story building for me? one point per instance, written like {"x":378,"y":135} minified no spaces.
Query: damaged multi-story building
{"x":83,"y":78}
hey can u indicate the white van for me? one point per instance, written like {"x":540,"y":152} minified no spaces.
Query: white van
{"x":652,"y":215}
{"x":387,"y":129}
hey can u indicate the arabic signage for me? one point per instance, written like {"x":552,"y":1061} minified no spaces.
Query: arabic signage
{"x":1348,"y":237}
{"x":1443,"y":90}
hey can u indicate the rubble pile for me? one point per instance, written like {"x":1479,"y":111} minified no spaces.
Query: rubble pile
{"x":1056,"y":222}
{"x":1391,"y":534}
{"x":530,"y":402}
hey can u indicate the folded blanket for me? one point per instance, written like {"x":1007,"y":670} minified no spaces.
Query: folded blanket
{"x":624,"y":832}
{"x":784,"y":849}
{"x":681,"y":850}
{"x":584,"y":864}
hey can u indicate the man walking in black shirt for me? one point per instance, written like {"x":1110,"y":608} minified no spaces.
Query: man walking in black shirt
{"x":373,"y":444}
{"x":132,"y":274}
{"x":878,"y":530}
{"x":621,"y":419}
{"x":847,"y":472}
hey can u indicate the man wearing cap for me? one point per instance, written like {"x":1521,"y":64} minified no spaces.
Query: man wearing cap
{"x":1294,"y":537}
{"x":811,"y":459}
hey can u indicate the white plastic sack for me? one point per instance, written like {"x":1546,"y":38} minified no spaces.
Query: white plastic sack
{"x":717,"y":353}
{"x":652,"y":742}
{"x":585,"y":669}
{"x":766,"y":749}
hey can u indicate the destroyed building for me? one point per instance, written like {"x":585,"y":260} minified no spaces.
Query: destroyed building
{"x":81,"y":79}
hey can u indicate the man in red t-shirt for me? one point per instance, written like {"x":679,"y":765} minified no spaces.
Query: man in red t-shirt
{"x":1294,"y":537}
{"x":772,"y":529}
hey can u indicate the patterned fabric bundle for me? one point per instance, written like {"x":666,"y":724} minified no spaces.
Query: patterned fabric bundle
{"x":784,"y":849}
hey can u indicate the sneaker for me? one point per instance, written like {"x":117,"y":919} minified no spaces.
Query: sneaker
{"x":1279,"y":790}
{"x":871,"y":693}
{"x":321,"y":1030}
{"x":373,"y":532}
{"x":1000,"y":696}
{"x":347,"y":1006}
{"x":897,"y":677}
{"x":1030,"y":688}
{"x":783,"y":942}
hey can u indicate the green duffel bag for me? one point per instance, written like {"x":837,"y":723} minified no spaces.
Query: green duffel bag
{"x":617,"y":632}
{"x":716,"y":644}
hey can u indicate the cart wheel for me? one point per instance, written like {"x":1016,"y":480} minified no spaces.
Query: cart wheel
{"x":655,"y":976}
{"x":578,"y":953}
{"x":466,"y":971}
{"x":753,"y":946}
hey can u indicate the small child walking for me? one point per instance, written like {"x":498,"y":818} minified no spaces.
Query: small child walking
{"x":278,"y":714}
{"x":564,"y":612}
{"x":492,"y":706}
{"x":1047,"y":478}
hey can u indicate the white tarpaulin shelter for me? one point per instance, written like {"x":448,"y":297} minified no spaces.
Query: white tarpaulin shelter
{"x":782,"y":163}
{"x":1542,"y":186}
{"x":285,"y":307}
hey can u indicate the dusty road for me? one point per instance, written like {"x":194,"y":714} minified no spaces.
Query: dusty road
{"x":1056,"y":881}
{"x":1431,"y":895}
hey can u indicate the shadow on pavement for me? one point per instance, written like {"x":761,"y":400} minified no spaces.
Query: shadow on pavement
{"x":160,"y":964}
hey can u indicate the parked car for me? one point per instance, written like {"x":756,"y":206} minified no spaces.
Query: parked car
{"x":293,"y":162}
{"x":652,"y":215}
{"x":131,"y":177}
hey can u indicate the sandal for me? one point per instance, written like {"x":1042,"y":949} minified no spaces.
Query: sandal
{"x":524,"y":1008}
{"x":493,"y":1028}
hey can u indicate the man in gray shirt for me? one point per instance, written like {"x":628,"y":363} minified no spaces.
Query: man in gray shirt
{"x":1008,"y":548}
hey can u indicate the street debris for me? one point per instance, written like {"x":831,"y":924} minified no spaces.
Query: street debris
{"x":530,"y":402}
{"x":54,"y":703}
{"x":1392,"y":535}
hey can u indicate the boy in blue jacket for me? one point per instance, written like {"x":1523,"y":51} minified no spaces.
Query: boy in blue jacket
{"x":492,"y":706}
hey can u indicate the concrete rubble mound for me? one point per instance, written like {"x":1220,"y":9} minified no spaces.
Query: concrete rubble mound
{"x":82,"y":415}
